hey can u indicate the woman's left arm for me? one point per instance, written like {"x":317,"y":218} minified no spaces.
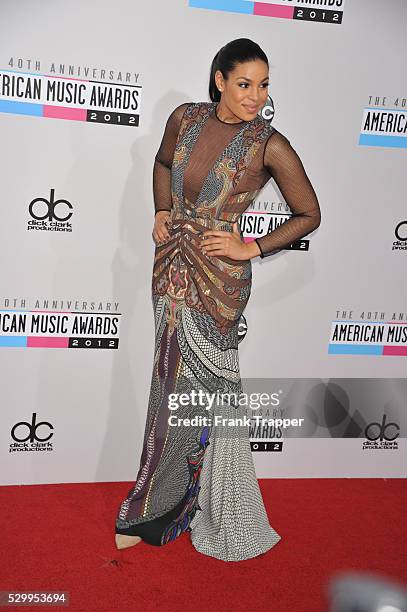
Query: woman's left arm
{"x":286,"y":168}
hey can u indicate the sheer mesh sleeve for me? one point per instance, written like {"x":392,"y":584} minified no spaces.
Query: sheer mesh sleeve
{"x":163,"y":160}
{"x":286,"y":168}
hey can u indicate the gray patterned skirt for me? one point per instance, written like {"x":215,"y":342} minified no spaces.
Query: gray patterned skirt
{"x":196,"y":472}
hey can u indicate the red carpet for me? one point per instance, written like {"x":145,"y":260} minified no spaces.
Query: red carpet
{"x":61,"y":537}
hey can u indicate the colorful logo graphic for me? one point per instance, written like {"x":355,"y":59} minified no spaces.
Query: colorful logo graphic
{"x":368,"y":337}
{"x":322,"y":11}
{"x":382,"y":126}
{"x":57,"y":97}
{"x":59,"y":329}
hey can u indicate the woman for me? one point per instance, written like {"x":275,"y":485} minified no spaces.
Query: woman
{"x":213,"y":160}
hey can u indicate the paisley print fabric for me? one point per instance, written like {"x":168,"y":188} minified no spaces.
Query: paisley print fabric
{"x":200,"y":478}
{"x":217,"y":285}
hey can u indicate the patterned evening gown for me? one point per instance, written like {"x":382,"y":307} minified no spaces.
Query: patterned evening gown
{"x":199,"y":477}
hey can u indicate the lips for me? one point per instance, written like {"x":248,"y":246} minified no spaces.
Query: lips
{"x":251,"y":109}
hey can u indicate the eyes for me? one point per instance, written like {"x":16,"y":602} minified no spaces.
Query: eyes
{"x":264,"y":85}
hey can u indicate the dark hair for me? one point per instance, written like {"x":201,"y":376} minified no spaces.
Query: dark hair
{"x":234,"y":52}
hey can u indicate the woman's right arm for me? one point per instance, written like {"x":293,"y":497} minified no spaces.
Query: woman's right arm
{"x":162,"y":173}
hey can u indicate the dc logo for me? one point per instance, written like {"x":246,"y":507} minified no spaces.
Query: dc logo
{"x":36,"y":207}
{"x":242,"y":328}
{"x":267,"y":111}
{"x":382,"y":431}
{"x":31,"y":430}
{"x":399,"y":236}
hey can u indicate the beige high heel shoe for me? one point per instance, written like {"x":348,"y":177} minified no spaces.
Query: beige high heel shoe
{"x":125,"y":541}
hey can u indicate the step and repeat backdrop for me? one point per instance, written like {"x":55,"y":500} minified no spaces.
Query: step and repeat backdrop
{"x":84,"y":97}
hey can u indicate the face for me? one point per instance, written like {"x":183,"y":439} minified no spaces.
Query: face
{"x":245,"y":90}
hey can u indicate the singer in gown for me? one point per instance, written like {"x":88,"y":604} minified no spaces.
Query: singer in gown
{"x":206,"y":173}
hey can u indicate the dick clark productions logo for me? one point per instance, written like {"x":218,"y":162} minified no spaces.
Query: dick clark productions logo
{"x":381,"y":435}
{"x":31,"y":436}
{"x":50,"y":214}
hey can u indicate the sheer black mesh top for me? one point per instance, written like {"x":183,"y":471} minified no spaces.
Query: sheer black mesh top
{"x":275,"y":159}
